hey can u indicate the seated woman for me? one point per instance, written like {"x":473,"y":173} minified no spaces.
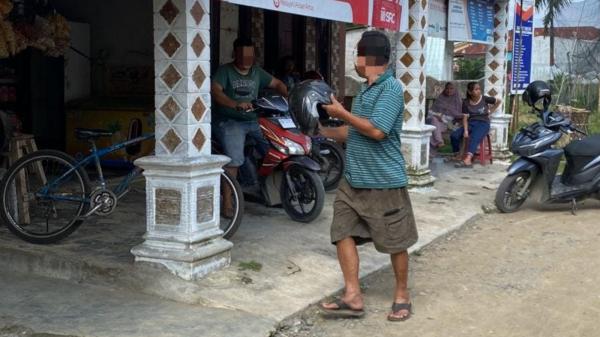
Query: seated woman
{"x":446,"y":109}
{"x":476,"y":122}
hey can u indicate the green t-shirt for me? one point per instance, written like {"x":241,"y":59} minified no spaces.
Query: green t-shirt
{"x":240,"y":88}
{"x":374,"y":163}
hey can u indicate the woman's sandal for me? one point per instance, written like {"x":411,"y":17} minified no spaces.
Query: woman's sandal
{"x":397,"y":307}
{"x":462,"y":164}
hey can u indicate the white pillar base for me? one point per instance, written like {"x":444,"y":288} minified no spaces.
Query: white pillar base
{"x":500,"y":125}
{"x":415,"y":148}
{"x":182,"y":215}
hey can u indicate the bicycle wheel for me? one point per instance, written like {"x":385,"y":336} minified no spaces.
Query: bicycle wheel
{"x":42,"y":197}
{"x":232,"y":205}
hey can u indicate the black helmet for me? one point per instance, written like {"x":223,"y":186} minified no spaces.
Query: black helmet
{"x":305,"y":104}
{"x":537,"y":91}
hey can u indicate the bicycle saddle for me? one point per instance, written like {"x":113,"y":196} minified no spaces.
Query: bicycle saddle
{"x":85,"y":134}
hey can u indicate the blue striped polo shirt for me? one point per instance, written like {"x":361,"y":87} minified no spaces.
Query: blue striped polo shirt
{"x":372,"y":163}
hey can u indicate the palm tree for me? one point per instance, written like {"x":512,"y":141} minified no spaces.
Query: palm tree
{"x":553,"y":7}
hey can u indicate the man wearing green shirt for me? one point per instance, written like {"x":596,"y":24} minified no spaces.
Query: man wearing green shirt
{"x":234,"y":86}
{"x":372,"y":203}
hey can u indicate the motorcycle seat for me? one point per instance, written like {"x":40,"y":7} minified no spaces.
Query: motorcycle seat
{"x":587,"y":147}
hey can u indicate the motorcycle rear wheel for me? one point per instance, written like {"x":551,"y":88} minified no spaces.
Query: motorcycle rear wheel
{"x":507,"y":198}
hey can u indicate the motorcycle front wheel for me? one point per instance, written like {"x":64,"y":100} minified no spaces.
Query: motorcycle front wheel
{"x":510,"y":197}
{"x":302,"y":194}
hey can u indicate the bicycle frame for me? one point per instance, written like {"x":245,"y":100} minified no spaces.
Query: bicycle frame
{"x":94,"y":158}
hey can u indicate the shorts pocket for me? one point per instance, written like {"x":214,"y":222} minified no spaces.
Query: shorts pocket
{"x":399,"y":227}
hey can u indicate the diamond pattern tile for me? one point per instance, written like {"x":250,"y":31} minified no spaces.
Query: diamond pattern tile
{"x":421,"y":97}
{"x":169,"y":12}
{"x":199,"y":140}
{"x":407,"y":114}
{"x":198,"y":109}
{"x":406,"y":78}
{"x":423,"y":4}
{"x":494,"y":65}
{"x":197,"y":12}
{"x":496,"y":8}
{"x":170,"y":108}
{"x":411,"y":3}
{"x":407,"y":97}
{"x":493,"y":93}
{"x":423,"y":41}
{"x":198,"y":45}
{"x":198,"y":77}
{"x":496,"y":36}
{"x":494,"y":51}
{"x":407,"y":40}
{"x":406,"y":59}
{"x":171,"y":140}
{"x":171,"y":76}
{"x":170,"y":45}
{"x":496,"y":22}
{"x":421,"y":78}
{"x":423,"y":22}
{"x":411,"y":22}
{"x":494,"y":79}
{"x":422,"y":60}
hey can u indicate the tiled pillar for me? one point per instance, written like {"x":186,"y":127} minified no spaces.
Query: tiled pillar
{"x":311,"y":45}
{"x":182,"y":179}
{"x":495,"y":78}
{"x":410,"y":69}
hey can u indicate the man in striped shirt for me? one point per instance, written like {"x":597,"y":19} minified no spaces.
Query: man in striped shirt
{"x":372,"y":203}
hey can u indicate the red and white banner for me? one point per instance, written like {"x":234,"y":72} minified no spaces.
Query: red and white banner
{"x":387,"y":14}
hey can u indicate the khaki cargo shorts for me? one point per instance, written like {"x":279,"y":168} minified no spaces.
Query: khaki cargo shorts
{"x":381,"y":216}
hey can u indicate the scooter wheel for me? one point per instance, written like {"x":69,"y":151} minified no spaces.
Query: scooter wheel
{"x":509,"y":197}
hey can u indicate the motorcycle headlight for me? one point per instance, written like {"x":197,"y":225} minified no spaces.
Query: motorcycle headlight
{"x":293,"y":147}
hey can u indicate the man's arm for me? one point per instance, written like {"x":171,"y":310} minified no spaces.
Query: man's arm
{"x":279,"y":86}
{"x":362,"y":125}
{"x":339,"y":134}
{"x":219,"y":96}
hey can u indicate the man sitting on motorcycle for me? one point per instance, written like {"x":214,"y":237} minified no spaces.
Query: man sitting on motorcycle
{"x":235,"y":85}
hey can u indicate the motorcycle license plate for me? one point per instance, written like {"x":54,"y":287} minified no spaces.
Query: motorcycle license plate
{"x":287,"y":123}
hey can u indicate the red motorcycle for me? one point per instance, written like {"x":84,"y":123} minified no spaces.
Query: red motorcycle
{"x":287,"y":175}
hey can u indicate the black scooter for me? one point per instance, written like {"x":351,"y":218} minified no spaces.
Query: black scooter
{"x":539,"y":163}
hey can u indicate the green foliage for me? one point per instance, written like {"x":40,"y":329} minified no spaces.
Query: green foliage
{"x":250,"y":265}
{"x":470,"y":69}
{"x":553,"y":8}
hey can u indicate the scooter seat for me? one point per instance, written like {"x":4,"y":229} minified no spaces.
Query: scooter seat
{"x":587,"y":147}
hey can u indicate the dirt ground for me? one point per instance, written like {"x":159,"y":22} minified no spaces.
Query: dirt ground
{"x":531,"y":273}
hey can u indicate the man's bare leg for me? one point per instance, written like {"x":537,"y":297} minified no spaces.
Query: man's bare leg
{"x":400,"y":265}
{"x":348,"y":258}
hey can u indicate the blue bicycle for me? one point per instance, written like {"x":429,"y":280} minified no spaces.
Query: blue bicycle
{"x":47,"y":194}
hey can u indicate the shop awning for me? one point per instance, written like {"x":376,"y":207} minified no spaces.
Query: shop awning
{"x":387,"y":14}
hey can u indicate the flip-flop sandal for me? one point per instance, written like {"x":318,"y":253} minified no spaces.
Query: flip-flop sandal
{"x":343,"y":310}
{"x":461,"y":164}
{"x":396,"y":307}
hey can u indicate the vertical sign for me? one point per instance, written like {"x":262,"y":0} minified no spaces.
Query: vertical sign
{"x":522,"y":46}
{"x":438,"y":19}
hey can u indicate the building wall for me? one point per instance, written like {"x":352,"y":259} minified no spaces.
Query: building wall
{"x":121,"y":29}
{"x":229,"y":31}
{"x":563,"y":55}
